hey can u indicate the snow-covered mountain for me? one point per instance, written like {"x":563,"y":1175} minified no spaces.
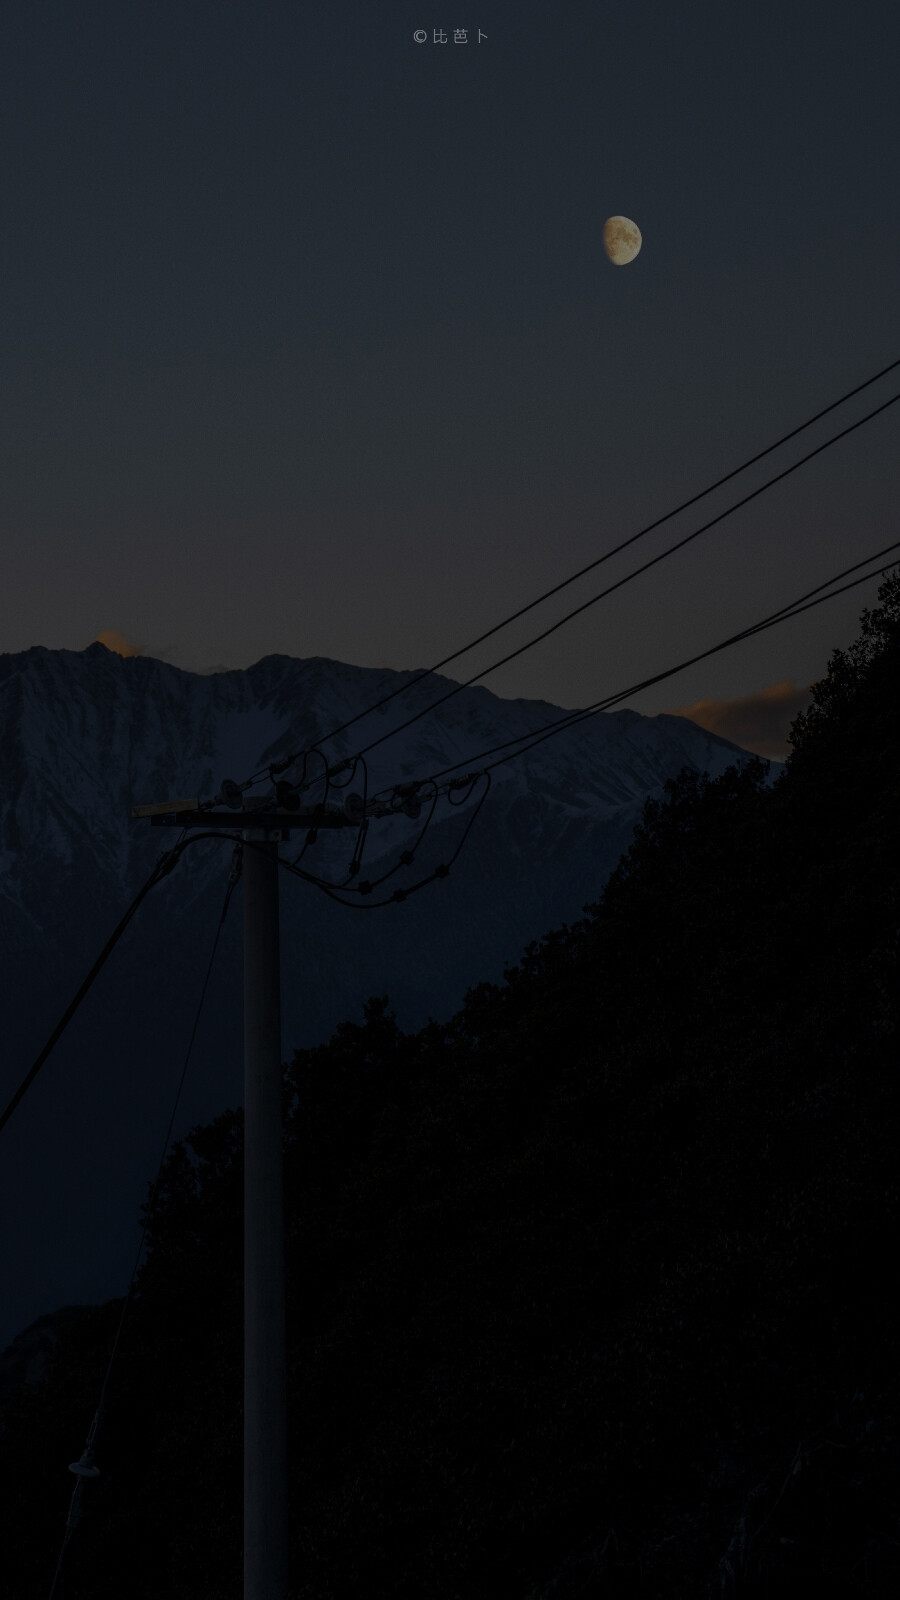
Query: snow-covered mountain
{"x":84,"y":737}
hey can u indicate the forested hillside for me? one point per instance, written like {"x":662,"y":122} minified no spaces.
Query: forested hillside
{"x":590,"y":1289}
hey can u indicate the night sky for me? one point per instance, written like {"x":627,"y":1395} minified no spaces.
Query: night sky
{"x":309,"y":344}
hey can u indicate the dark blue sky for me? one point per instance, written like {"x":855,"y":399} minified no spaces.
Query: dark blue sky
{"x":308,"y":343}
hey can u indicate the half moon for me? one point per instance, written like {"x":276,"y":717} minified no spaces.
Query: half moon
{"x":621,"y":240}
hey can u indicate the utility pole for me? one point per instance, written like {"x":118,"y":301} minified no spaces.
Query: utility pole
{"x":265,"y":1390}
{"x":265,"y":821}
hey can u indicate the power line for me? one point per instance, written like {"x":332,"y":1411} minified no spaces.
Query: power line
{"x":629,"y":577}
{"x":527,"y":741}
{"x":794,"y":609}
{"x":548,"y":593}
{"x":166,"y":863}
{"x":163,"y":866}
{"x":85,"y":1468}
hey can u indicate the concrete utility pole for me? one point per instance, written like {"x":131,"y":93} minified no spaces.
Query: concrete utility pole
{"x":263,"y":824}
{"x":265,"y":1391}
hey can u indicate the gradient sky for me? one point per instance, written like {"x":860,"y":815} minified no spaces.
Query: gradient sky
{"x":308,"y":343}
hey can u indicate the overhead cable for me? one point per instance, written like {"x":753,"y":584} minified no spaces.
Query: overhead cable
{"x":794,"y":609}
{"x":629,"y":577}
{"x":548,"y":593}
{"x":163,"y":866}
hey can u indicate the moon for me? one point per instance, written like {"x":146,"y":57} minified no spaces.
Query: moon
{"x":621,"y":240}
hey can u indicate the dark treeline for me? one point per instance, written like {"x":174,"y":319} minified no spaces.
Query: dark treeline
{"x":590,"y":1290}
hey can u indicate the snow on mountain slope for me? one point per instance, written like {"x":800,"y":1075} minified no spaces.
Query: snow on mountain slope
{"x":83,"y":737}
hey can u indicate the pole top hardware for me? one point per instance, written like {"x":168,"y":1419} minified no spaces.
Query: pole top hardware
{"x":159,"y":808}
{"x":354,"y":808}
{"x":231,"y":794}
{"x":405,"y":798}
{"x":287,"y":796}
{"x":84,"y":1468}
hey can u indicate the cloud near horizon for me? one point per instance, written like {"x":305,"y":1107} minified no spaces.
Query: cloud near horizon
{"x":117,"y":643}
{"x":759,"y":722}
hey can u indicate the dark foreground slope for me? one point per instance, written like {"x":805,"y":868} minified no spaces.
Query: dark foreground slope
{"x":589,"y":1289}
